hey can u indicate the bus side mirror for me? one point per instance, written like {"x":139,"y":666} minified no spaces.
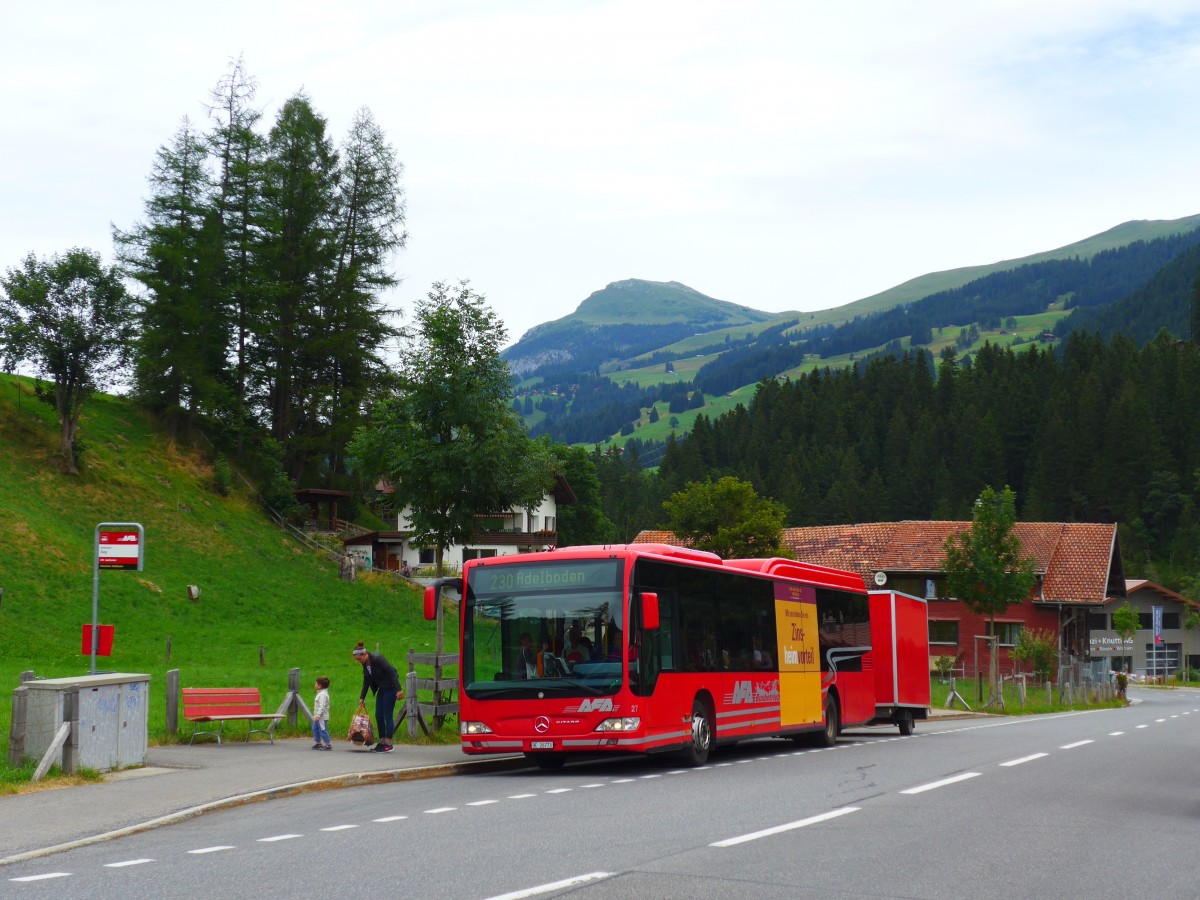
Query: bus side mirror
{"x":649,"y":610}
{"x":431,"y":601}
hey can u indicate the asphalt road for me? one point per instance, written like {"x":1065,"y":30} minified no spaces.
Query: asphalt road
{"x":1098,"y":804}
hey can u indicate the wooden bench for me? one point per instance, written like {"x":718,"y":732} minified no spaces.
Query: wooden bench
{"x":223,"y":705}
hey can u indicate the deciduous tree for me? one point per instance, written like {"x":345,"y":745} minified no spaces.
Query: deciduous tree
{"x":986,"y":566}
{"x":727,"y":517}
{"x":73,"y":320}
{"x":446,"y":439}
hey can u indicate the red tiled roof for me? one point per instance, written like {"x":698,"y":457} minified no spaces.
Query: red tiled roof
{"x":1078,"y":562}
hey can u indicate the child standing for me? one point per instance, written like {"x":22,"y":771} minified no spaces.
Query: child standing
{"x":321,"y":716}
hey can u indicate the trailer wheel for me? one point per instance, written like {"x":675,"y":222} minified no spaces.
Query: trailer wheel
{"x":696,"y":751}
{"x":833,"y":725}
{"x":904,"y":719}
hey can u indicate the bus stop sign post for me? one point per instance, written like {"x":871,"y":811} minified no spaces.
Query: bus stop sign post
{"x":118,"y":545}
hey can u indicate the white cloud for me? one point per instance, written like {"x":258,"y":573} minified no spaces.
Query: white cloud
{"x":777,"y":154}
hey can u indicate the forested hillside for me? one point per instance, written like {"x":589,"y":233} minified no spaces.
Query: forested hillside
{"x":583,"y":396}
{"x":1161,"y":303}
{"x":1103,"y":431}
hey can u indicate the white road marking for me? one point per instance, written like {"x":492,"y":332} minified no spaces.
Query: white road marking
{"x":648,"y":777}
{"x":521,"y":796}
{"x":1159,"y":721}
{"x":779,"y":829}
{"x":279,"y":837}
{"x":215,"y":849}
{"x":1023,"y":759}
{"x":442,"y":809}
{"x":591,"y":785}
{"x":937,"y":784}
{"x":1143,"y":726}
{"x":553,"y":886}
{"x":482,"y":802}
{"x":128,"y":862}
{"x":398,"y":818}
{"x":624,"y":781}
{"x":1074,"y":745}
{"x":339,"y":827}
{"x":560,"y":791}
{"x":42,"y":877}
{"x":1115,"y":733}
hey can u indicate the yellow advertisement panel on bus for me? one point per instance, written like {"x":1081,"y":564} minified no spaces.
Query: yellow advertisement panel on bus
{"x":798,"y":654}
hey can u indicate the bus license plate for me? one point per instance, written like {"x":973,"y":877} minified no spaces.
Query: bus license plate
{"x":541,"y":745}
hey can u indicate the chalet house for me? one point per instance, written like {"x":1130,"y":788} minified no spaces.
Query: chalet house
{"x":1144,"y":655}
{"x":1078,"y":567}
{"x":498,"y":534}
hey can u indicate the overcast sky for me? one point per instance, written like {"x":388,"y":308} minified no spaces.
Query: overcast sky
{"x":782,"y":155}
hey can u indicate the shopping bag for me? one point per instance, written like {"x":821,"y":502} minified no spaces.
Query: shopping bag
{"x":360,"y":728}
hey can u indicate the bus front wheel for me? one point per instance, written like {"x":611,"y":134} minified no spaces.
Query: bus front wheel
{"x":696,"y":751}
{"x":833,"y":724}
{"x":547,"y":760}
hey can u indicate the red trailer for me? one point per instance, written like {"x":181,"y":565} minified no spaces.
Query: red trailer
{"x":900,"y":651}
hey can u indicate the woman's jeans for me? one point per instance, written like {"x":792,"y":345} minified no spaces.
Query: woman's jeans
{"x":385,"y":711}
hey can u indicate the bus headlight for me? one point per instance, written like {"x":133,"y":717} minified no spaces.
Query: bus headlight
{"x":630,"y":723}
{"x":466,"y":728}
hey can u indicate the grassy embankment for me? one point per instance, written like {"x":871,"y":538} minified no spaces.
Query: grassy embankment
{"x":259,"y":588}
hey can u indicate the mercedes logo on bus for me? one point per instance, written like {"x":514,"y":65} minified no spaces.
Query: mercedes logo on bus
{"x":541,"y":724}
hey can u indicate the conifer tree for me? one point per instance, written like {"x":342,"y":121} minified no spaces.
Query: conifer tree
{"x":179,"y":367}
{"x":298,"y":253}
{"x":238,"y":152}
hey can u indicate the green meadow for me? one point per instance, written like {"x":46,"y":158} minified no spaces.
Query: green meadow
{"x":267,"y":603}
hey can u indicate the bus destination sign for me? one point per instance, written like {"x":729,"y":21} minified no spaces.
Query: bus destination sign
{"x":524,"y":578}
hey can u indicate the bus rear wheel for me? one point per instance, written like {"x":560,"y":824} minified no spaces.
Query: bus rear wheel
{"x":833,"y":724}
{"x":904,"y":719}
{"x":697,"y":749}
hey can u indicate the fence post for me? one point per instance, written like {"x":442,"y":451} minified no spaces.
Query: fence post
{"x":16,"y":727}
{"x":293,"y":691}
{"x":172,"y":701}
{"x":411,"y":711}
{"x":1049,"y":693}
{"x":70,"y":750}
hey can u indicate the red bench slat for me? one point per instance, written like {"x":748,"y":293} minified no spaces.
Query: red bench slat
{"x":223,"y":704}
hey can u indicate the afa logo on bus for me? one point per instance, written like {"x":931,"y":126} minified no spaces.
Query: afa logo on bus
{"x":600,"y":704}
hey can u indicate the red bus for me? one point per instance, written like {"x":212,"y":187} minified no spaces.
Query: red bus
{"x":648,"y":648}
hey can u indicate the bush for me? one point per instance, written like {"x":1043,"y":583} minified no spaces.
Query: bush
{"x":222,"y":476}
{"x":1038,"y":647}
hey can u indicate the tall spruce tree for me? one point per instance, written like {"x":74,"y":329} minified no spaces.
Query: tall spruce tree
{"x":179,"y":365}
{"x":298,"y":252}
{"x":369,"y":227}
{"x":238,"y":152}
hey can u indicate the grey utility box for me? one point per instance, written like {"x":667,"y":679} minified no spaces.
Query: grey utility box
{"x":113,"y":712}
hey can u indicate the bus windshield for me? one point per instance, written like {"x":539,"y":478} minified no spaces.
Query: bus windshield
{"x":543,"y":629}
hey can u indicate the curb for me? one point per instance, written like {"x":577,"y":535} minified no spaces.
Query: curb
{"x":335,"y":782}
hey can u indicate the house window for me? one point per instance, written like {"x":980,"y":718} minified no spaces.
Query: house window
{"x":1145,"y":621}
{"x":425,"y":556}
{"x":1098,"y":621}
{"x":1008,"y":632}
{"x":943,"y":633}
{"x":469,"y":553}
{"x":1170,"y":620}
{"x":930,"y":589}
